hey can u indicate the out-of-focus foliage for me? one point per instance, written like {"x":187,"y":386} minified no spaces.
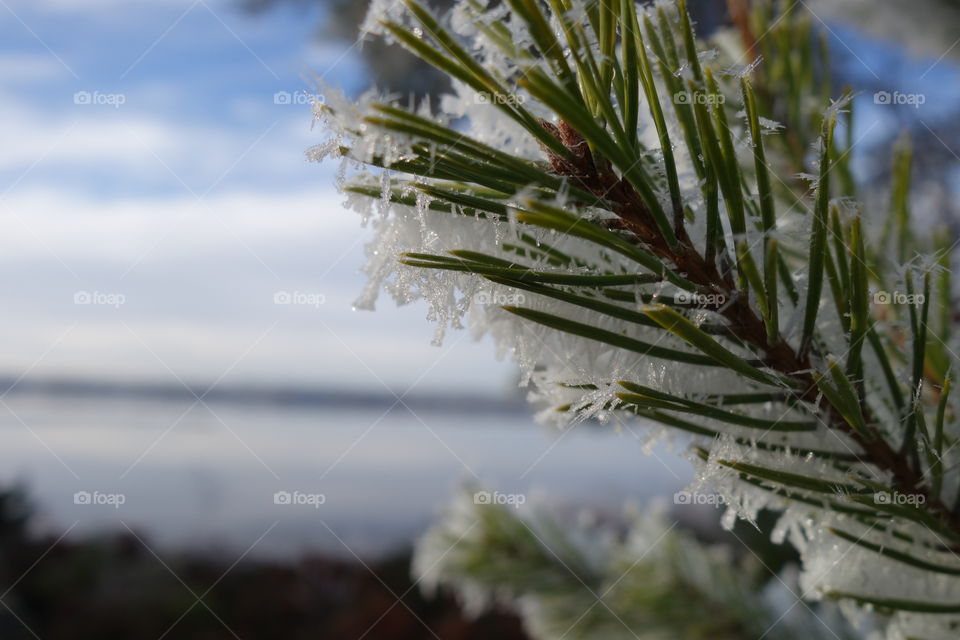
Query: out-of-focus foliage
{"x":394,"y":69}
{"x":583,"y":580}
{"x":390,"y":68}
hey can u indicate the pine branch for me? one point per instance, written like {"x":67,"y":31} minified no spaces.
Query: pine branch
{"x":705,"y":252}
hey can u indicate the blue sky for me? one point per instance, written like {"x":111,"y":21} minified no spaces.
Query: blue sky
{"x":181,"y":189}
{"x":192,"y":202}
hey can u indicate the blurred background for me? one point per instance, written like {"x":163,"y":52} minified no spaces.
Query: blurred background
{"x":197,"y":427}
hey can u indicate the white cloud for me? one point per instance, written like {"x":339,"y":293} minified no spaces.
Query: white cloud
{"x":75,"y":225}
{"x":22,"y":66}
{"x":131,"y":145}
{"x":198,"y":286}
{"x":90,"y":139}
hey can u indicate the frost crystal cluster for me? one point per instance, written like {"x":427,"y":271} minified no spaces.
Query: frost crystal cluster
{"x":661,"y":233}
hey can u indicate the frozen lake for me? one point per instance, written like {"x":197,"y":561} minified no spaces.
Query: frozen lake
{"x":367,"y":480}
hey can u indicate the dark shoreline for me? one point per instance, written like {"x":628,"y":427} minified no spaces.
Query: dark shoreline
{"x":266,"y":396}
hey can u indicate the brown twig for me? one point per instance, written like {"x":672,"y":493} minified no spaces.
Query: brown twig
{"x":596,"y":177}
